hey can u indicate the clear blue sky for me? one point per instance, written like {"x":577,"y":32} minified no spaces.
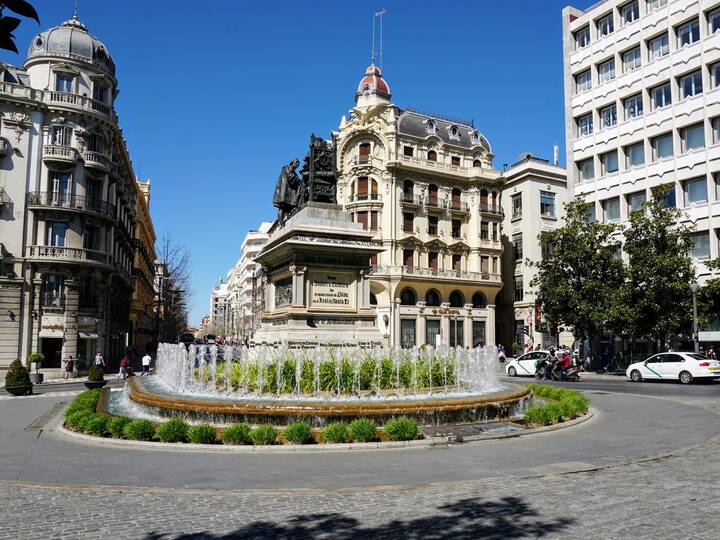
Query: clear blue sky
{"x":216,"y":96}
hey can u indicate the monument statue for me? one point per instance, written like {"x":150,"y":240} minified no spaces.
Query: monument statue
{"x":317,"y":181}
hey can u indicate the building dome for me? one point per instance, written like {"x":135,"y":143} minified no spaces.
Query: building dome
{"x":72,"y":40}
{"x":373,"y":83}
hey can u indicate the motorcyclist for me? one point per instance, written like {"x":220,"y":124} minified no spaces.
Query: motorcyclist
{"x":550,"y":363}
{"x":563,"y":364}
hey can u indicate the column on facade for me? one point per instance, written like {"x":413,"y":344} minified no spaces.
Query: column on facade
{"x":445,"y":322}
{"x":468,"y":326}
{"x":363,"y":289}
{"x":490,"y":325}
{"x":420,"y":324}
{"x":36,"y":321}
{"x":71,"y":319}
{"x":395,"y":327}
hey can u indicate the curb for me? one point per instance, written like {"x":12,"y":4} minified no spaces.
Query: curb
{"x":308,"y":448}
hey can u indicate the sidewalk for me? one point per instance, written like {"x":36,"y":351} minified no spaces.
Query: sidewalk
{"x":608,"y":376}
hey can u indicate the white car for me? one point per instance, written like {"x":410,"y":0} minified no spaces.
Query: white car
{"x":674,"y":366}
{"x":524,"y":365}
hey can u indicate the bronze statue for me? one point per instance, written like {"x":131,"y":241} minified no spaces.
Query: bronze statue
{"x":288,"y":189}
{"x":317,"y":182}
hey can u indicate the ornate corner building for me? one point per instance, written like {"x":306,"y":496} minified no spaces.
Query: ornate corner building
{"x":69,"y":203}
{"x":426,"y":186}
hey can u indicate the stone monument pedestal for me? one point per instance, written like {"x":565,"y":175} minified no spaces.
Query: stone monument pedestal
{"x":318,"y":288}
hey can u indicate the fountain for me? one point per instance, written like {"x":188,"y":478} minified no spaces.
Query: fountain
{"x":280,"y":385}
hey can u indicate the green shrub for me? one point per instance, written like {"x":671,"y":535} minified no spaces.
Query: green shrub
{"x":17,"y":375}
{"x":115,"y":426}
{"x":298,"y":433}
{"x":139,"y":430}
{"x":264,"y":435}
{"x":337,"y":432}
{"x":96,"y":424}
{"x":565,"y":404}
{"x":236,"y":434}
{"x":363,"y":430}
{"x":95,"y":374}
{"x":401,"y":429}
{"x":87,"y":401}
{"x":175,"y":430}
{"x":202,"y":434}
{"x":36,"y":358}
{"x":76,"y":420}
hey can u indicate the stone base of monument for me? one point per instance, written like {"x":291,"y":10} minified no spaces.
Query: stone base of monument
{"x":317,"y":289}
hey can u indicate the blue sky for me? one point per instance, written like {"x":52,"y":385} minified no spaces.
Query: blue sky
{"x":215,"y":97}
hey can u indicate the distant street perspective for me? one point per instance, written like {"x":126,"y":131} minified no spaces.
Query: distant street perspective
{"x":308,"y":307}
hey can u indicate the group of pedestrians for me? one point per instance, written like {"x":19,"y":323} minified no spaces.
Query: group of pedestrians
{"x":70,"y":367}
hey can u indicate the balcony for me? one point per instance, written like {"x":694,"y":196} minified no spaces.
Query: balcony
{"x":77,"y":102}
{"x":491,"y":209}
{"x":18,"y":91}
{"x":365,"y":161}
{"x":53,"y":200}
{"x":408,"y":199}
{"x":97,"y":160}
{"x":459,"y":207}
{"x":60,"y":152}
{"x":433,"y":203}
{"x":435,"y":273}
{"x":52,"y":299}
{"x":57,"y":254}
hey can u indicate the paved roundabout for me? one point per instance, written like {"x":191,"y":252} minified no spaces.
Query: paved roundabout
{"x":608,"y":470}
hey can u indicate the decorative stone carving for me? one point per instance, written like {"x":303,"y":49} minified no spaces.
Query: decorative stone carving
{"x":19,"y":122}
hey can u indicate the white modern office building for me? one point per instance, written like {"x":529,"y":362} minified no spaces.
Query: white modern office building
{"x":642,"y":109}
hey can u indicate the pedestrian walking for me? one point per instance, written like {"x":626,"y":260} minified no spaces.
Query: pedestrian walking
{"x":124,"y":363}
{"x":69,"y":365}
{"x":146,"y":364}
{"x":501,"y":353}
{"x":100,"y":361}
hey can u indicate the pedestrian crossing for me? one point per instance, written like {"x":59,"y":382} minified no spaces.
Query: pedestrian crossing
{"x":65,"y":393}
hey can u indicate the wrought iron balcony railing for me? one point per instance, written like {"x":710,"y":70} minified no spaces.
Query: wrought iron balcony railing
{"x":52,"y":199}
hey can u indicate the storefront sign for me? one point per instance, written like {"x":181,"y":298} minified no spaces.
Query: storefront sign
{"x":52,"y":326}
{"x":332,"y":290}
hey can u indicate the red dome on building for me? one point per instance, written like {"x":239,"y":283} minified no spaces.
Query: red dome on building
{"x":373,"y":83}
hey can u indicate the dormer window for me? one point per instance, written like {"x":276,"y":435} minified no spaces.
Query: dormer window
{"x":454,"y":133}
{"x":38,"y":42}
{"x":455,"y":160}
{"x":100,"y":53}
{"x":475,"y":137}
{"x":430,"y":126}
{"x":432,"y":155}
{"x":64,"y":82}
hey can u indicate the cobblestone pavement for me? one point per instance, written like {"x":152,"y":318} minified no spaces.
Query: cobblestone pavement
{"x":674,"y":497}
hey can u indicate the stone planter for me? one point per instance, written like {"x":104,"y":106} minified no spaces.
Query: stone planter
{"x":19,"y":390}
{"x":37,"y":378}
{"x":95,"y":384}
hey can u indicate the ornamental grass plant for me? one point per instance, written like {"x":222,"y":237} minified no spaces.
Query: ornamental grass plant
{"x":337,"y":432}
{"x":236,"y":434}
{"x":264,"y":435}
{"x":564,"y":405}
{"x":401,"y":429}
{"x":363,"y":430}
{"x":115,"y":426}
{"x":139,"y":430}
{"x":298,"y":433}
{"x":175,"y":430}
{"x":202,"y":434}
{"x":95,"y":424}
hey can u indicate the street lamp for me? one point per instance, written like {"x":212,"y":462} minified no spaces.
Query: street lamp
{"x":694,"y":288}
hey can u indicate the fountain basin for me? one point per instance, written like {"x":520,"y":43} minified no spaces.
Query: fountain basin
{"x":431,"y":409}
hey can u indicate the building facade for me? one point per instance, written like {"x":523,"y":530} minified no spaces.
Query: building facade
{"x":533,"y":201}
{"x":642,"y":109}
{"x":68,"y":191}
{"x":144,"y":308}
{"x":219,"y":322}
{"x":246,"y":310}
{"x":426,"y":186}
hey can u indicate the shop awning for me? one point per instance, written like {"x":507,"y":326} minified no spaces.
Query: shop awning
{"x":87,"y":335}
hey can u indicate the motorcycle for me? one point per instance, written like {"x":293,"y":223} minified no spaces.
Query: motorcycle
{"x":541,"y":365}
{"x":572,"y":374}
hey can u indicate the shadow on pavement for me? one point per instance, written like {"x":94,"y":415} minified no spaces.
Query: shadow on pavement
{"x":509,"y":517}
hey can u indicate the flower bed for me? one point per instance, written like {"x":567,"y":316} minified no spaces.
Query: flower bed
{"x":82,"y":416}
{"x":564,"y":405}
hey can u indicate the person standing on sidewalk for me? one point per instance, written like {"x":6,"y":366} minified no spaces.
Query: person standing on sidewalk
{"x":68,"y":367}
{"x":146,"y":364}
{"x":100,"y":361}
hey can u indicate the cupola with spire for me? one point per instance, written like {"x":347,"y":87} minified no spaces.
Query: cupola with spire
{"x":372,"y":89}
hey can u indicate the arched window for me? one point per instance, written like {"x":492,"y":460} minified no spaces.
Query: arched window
{"x":373,"y":299}
{"x":433,"y":194}
{"x":432,"y":155}
{"x":479,"y":300}
{"x":373,"y":189}
{"x":408,"y":297}
{"x":494,"y":199}
{"x":457,"y":299}
{"x":456,"y":196}
{"x":364,"y":152}
{"x":477,"y":163}
{"x":432,"y":298}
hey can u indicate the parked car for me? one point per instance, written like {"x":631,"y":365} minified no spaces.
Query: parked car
{"x":524,"y":365}
{"x":674,"y":366}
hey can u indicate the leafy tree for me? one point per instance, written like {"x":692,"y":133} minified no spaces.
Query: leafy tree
{"x":657,"y":299}
{"x":708,"y":297}
{"x":9,"y":24}
{"x":579,"y":275}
